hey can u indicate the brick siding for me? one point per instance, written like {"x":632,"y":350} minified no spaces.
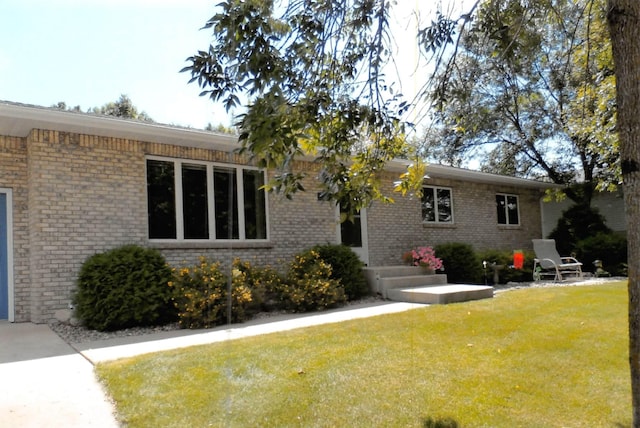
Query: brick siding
{"x":396,"y":228}
{"x":75,"y":195}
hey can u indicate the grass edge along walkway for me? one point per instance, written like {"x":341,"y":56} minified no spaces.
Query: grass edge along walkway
{"x":534,"y":357}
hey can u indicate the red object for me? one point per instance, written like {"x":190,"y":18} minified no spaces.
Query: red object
{"x":518,"y":259}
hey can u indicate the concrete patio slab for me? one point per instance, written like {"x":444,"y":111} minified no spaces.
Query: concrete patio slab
{"x":443,"y":294}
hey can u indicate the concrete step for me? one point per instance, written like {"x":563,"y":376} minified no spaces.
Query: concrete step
{"x":377,"y":272}
{"x":389,"y":283}
{"x":382,"y":278}
{"x":450,"y":293}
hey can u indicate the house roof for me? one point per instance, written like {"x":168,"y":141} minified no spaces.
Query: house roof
{"x":18,"y":120}
{"x":453,"y":173}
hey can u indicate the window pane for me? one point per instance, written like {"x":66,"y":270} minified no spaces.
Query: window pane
{"x":351,"y":231}
{"x":501,"y":205}
{"x":428,"y":204}
{"x":444,"y":205}
{"x":225,"y":188}
{"x":194,"y":202}
{"x":161,"y":201}
{"x":512,"y":209}
{"x":255,"y":218}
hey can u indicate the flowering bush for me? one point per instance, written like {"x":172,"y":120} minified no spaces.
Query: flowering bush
{"x":201,"y":295}
{"x":423,"y":256}
{"x":309,"y":286}
{"x":264,"y":283}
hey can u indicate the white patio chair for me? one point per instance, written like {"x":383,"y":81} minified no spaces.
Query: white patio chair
{"x":548,"y":263}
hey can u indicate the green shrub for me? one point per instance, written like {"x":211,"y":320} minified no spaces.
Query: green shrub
{"x":577,"y":223}
{"x":610,"y":248}
{"x":460,"y":262}
{"x":309,"y":285}
{"x":124,"y":287}
{"x":346,"y":266}
{"x":202,"y":299}
{"x":508,"y":273}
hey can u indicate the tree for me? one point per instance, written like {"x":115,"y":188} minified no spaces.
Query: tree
{"x":624,"y":24}
{"x":623,"y":18}
{"x":312,"y":75}
{"x":220,"y":128}
{"x":61,"y":105}
{"x":122,"y":107}
{"x":531,"y":88}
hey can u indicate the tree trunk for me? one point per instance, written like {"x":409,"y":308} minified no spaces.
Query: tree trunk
{"x":624,"y":25}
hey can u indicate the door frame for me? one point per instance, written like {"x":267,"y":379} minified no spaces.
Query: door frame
{"x":362,"y":252}
{"x":9,"y":220}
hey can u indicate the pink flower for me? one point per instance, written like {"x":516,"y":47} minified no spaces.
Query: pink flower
{"x":424,"y":256}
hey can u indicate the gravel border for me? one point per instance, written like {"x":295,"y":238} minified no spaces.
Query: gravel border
{"x":79,"y":334}
{"x":546,"y":284}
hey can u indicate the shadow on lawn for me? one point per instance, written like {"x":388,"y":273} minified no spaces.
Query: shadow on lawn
{"x":439,"y":423}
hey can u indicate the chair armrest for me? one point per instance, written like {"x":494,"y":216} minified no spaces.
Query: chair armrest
{"x":547,"y":263}
{"x":569,"y":260}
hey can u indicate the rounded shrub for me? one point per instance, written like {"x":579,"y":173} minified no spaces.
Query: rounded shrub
{"x":124,"y":287}
{"x":460,"y":262}
{"x":577,"y":223}
{"x":309,"y":286}
{"x":346,"y":267}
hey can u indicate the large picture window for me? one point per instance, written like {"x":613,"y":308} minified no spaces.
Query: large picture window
{"x":437,"y":206}
{"x":507,"y":206}
{"x":205,"y":201}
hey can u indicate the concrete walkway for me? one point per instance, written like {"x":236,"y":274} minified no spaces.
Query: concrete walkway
{"x":48,"y":383}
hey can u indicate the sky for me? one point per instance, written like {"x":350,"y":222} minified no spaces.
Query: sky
{"x":89,"y":52}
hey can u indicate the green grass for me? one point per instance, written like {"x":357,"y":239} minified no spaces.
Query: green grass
{"x":542,"y":357}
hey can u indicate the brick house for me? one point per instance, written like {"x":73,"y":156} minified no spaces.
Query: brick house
{"x":73,"y":184}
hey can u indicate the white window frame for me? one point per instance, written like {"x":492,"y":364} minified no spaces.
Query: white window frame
{"x":435,"y":189}
{"x":507,"y":195}
{"x":177,"y":165}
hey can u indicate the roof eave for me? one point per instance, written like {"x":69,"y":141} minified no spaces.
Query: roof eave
{"x":453,"y":173}
{"x":18,"y":120}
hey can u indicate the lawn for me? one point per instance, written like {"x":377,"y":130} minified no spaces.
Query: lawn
{"x":540,"y":357}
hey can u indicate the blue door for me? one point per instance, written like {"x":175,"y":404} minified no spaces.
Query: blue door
{"x":4,"y":254}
